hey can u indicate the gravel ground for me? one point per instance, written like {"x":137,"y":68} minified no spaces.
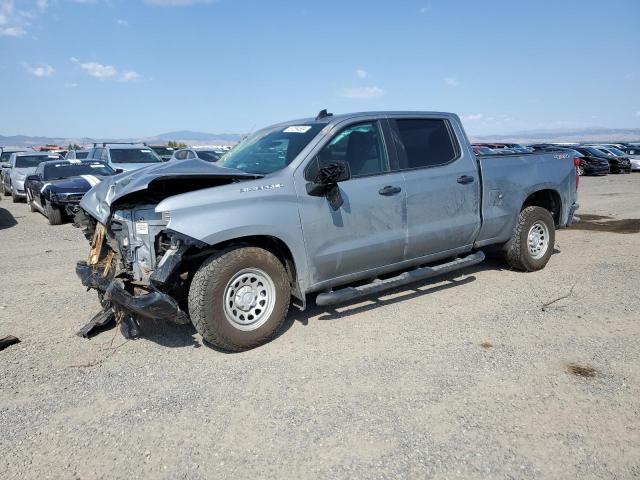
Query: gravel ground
{"x":466,"y":377}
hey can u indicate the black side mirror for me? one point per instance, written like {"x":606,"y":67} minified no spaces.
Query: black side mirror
{"x":119,"y":170}
{"x":33,"y":178}
{"x":327,"y":176}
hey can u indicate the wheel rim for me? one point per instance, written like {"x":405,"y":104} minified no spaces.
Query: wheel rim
{"x":249,"y":298}
{"x":580,"y":170}
{"x":538,"y":240}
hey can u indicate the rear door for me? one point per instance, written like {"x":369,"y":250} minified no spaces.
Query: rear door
{"x":442,"y":186}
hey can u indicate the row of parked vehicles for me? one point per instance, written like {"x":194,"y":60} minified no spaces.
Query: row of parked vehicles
{"x":54,"y":181}
{"x":329,"y":207}
{"x":594,"y":158}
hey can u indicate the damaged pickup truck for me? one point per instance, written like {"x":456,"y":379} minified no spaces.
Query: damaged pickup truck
{"x":341,"y":206}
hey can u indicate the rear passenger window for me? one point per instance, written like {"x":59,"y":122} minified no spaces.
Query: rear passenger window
{"x":425,"y":143}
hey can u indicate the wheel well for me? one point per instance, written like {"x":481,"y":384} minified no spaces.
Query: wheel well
{"x":547,"y":199}
{"x":273,"y":245}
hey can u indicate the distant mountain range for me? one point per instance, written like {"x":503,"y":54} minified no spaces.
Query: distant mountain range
{"x":183,"y":136}
{"x":592,"y":134}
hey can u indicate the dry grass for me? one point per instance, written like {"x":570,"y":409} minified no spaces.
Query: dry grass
{"x":581,"y":370}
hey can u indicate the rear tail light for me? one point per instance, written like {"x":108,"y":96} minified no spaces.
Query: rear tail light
{"x":576,"y":164}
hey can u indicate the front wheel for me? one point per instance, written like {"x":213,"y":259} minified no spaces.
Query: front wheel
{"x":533,"y":240}
{"x":5,"y":192}
{"x":581,"y":170}
{"x":54,"y":214}
{"x":239,"y":298}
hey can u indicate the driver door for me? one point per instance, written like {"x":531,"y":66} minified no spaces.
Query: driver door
{"x":368,"y":231}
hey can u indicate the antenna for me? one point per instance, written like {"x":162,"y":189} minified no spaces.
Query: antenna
{"x":323,"y":113}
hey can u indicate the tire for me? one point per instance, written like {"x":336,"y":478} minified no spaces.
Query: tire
{"x":14,"y":198}
{"x":54,"y":214}
{"x":519,"y":254}
{"x":225,"y":275}
{"x":581,"y":170}
{"x":5,"y":193}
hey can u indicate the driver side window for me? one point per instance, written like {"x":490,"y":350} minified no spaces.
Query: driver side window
{"x":361,"y":146}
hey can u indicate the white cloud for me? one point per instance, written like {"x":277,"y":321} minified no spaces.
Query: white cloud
{"x":41,"y":71}
{"x":451,"y":81}
{"x":175,"y":3}
{"x":14,"y":21}
{"x":122,"y":23}
{"x":362,"y":92}
{"x":473,"y":116}
{"x":360,"y":73}
{"x":129,"y":76}
{"x":103,"y":72}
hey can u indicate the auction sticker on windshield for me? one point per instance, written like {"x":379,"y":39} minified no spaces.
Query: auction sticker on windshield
{"x":297,"y":129}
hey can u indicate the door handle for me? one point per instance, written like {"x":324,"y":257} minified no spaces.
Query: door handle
{"x":465,"y":179}
{"x":389,"y":190}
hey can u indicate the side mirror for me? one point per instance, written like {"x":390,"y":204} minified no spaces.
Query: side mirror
{"x":327,"y":176}
{"x":33,"y":178}
{"x":119,"y":170}
{"x":4,"y":165}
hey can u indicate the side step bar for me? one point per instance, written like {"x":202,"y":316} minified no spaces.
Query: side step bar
{"x":349,"y":293}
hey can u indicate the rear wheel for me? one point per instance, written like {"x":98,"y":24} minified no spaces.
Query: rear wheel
{"x":533,"y":240}
{"x":239,"y":298}
{"x":54,"y":214}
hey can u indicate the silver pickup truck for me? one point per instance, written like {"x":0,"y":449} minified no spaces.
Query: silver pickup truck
{"x":338,"y":205}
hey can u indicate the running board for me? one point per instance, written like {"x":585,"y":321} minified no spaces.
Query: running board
{"x":349,"y":293}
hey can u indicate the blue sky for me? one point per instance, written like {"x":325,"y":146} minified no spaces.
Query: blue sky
{"x":123,"y":68}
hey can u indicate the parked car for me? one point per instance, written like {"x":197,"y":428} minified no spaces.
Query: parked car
{"x":163,"y":151}
{"x":22,"y":164}
{"x":482,"y":150}
{"x":314,"y":206}
{"x":56,"y":187}
{"x":203,"y":153}
{"x":124,"y":156}
{"x":612,"y":151}
{"x":633,"y":154}
{"x":76,"y":155}
{"x":587,"y":165}
{"x":616,"y":164}
{"x":5,"y":154}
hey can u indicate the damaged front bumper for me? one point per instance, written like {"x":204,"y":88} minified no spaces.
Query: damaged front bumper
{"x":152,"y":304}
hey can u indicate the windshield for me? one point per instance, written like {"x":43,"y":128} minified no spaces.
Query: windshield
{"x":58,"y":171}
{"x":81,"y":155}
{"x":208,"y":155}
{"x":163,"y":151}
{"x":593,"y":151}
{"x":134,"y":155}
{"x":270,"y":149}
{"x":29,"y":161}
{"x":616,"y":152}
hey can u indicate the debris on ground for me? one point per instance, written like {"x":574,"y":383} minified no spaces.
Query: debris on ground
{"x":8,"y":341}
{"x":581,"y":370}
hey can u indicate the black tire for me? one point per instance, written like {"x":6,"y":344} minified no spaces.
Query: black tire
{"x":14,"y":197}
{"x":581,"y":170}
{"x":207,"y":298}
{"x":517,"y":253}
{"x":5,"y":193}
{"x":54,"y":214}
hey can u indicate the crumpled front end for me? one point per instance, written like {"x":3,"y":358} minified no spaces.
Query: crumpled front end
{"x":132,"y":264}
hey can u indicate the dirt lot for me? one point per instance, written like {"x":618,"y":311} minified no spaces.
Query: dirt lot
{"x":466,"y":377}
